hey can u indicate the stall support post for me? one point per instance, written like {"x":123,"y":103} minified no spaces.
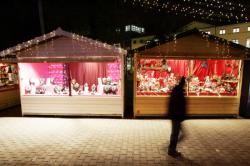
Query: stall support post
{"x":135,"y":84}
{"x":128,"y":84}
{"x":245,"y":91}
{"x":69,"y":79}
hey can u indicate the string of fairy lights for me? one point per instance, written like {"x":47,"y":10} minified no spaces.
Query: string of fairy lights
{"x":59,"y":32}
{"x":212,"y":10}
{"x":223,"y":47}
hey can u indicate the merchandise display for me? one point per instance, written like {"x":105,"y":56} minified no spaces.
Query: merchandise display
{"x":100,"y":78}
{"x":8,"y":75}
{"x":106,"y":87}
{"x":213,"y":86}
{"x":159,"y":76}
{"x":58,"y":73}
{"x":110,"y":86}
{"x":51,"y":79}
{"x":44,"y":79}
{"x":204,"y":77}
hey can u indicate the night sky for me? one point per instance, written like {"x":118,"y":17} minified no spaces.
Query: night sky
{"x":97,"y":19}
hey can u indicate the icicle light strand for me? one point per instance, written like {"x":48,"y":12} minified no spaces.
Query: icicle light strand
{"x":212,"y":10}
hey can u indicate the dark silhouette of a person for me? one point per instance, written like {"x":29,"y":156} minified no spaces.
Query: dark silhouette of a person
{"x":177,"y":114}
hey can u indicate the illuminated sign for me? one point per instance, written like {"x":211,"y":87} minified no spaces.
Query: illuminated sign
{"x":133,"y":28}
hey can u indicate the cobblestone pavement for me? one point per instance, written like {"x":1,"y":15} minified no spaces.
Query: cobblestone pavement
{"x":83,"y":141}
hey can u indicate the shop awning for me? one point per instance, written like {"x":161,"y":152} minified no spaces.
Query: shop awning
{"x":63,"y":46}
{"x":194,"y":44}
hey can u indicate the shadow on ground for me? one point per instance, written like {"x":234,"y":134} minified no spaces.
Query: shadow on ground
{"x":186,"y":161}
{"x":11,"y":112}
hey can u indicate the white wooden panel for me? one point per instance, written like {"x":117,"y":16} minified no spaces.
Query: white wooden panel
{"x":74,"y":105}
{"x":195,"y":106}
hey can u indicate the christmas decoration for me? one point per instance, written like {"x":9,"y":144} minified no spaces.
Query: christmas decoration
{"x":95,"y":45}
{"x":204,"y":64}
{"x":213,"y":10}
{"x":224,"y":48}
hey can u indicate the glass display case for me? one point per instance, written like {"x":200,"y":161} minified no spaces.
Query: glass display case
{"x":157,"y":77}
{"x":84,"y":78}
{"x":44,"y":79}
{"x":8,"y":76}
{"x":95,"y":78}
{"x":213,"y":78}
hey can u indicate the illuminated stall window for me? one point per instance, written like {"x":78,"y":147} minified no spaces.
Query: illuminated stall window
{"x":95,"y":78}
{"x":159,"y":76}
{"x":44,"y":79}
{"x":8,"y":75}
{"x":213,"y":77}
{"x":204,"y":77}
{"x":87,"y":78}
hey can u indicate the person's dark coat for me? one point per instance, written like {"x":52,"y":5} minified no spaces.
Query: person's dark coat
{"x":177,"y":103}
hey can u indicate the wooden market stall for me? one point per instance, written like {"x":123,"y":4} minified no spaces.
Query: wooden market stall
{"x":62,"y":73}
{"x":9,"y":84}
{"x":212,"y":66}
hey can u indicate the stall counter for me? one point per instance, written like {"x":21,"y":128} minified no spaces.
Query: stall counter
{"x":9,"y":97}
{"x":72,"y":105}
{"x":158,"y":105}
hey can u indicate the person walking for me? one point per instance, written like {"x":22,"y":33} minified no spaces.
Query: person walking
{"x":177,"y":114}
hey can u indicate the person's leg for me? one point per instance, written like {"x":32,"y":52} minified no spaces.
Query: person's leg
{"x":174,"y":136}
{"x":182,"y":133}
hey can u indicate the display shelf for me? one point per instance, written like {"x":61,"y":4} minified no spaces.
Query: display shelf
{"x":8,"y":87}
{"x":212,"y":94}
{"x":152,"y":93}
{"x":230,"y":81}
{"x":153,"y":68}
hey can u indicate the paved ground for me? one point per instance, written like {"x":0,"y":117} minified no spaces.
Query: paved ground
{"x":88,"y":141}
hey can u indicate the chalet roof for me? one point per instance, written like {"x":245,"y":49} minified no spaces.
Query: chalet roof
{"x":194,"y":44}
{"x":194,"y":24}
{"x":60,"y":45}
